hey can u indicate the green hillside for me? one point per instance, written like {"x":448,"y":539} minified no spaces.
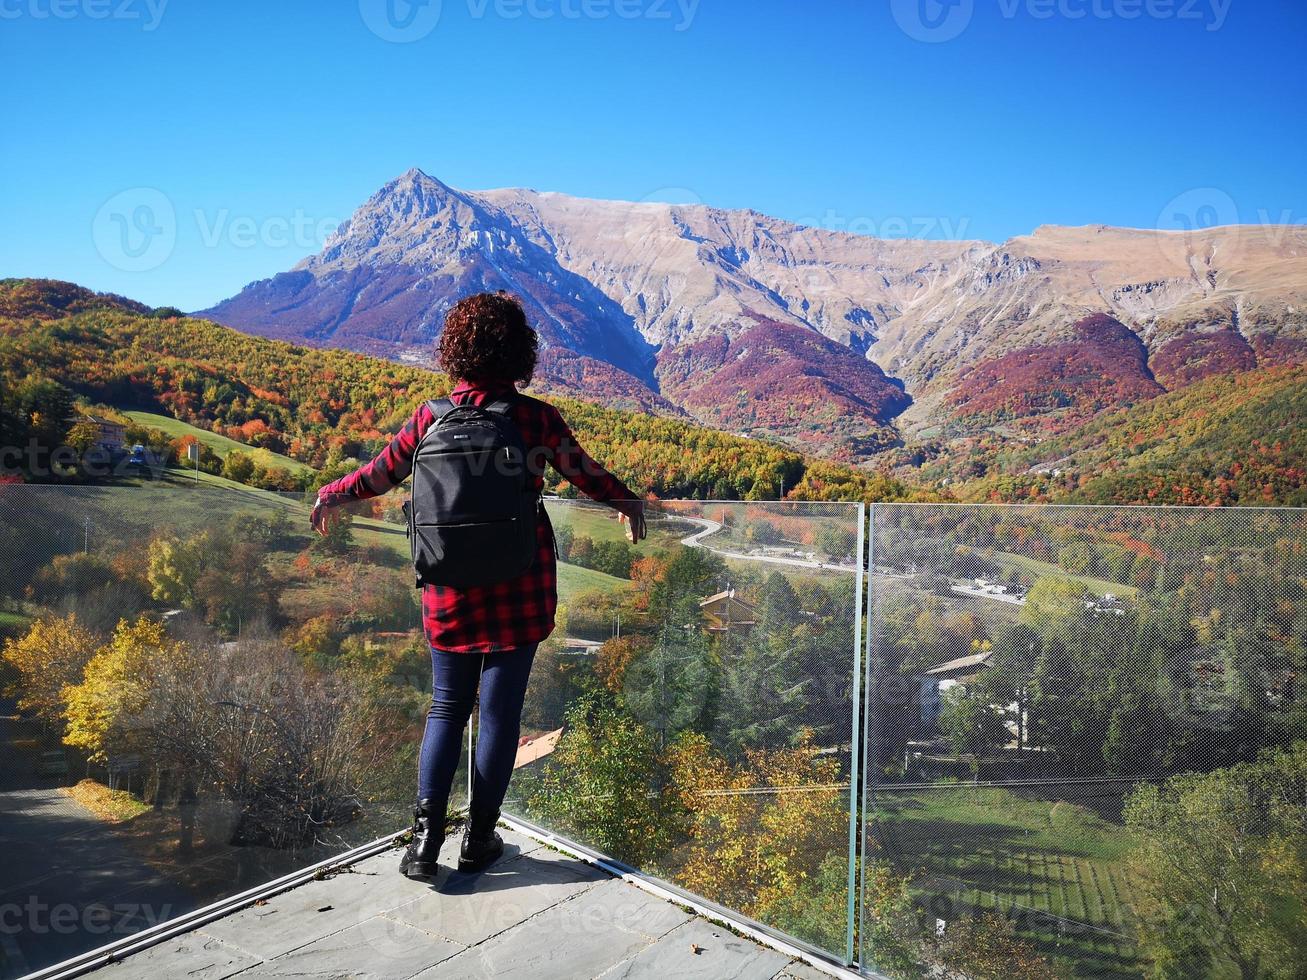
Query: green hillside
{"x":325,"y":408}
{"x":220,"y":444}
{"x":1233,"y":439}
{"x":175,"y":508}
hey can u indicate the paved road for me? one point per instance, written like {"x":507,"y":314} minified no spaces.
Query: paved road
{"x":696,"y":540}
{"x":66,"y":883}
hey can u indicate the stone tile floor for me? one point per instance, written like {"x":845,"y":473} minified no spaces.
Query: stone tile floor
{"x":535,"y":914}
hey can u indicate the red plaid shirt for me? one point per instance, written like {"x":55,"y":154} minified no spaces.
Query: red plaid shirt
{"x":509,"y":614}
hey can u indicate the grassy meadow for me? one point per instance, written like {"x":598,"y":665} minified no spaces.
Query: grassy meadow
{"x":220,"y":444}
{"x":1057,"y":866}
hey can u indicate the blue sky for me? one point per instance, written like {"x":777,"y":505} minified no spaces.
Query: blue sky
{"x":174,"y":150}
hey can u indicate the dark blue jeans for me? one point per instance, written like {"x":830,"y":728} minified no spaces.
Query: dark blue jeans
{"x":502,"y":677}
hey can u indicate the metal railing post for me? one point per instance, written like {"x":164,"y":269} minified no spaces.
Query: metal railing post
{"x":855,"y":748}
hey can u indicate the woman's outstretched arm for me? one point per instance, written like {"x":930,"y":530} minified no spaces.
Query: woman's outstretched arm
{"x":581,"y":470}
{"x":386,"y":471}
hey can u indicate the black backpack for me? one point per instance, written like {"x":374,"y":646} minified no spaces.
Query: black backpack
{"x":472,"y":517}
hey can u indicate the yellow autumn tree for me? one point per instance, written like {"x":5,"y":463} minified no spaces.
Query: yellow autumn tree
{"x":50,"y":656}
{"x":615,"y":656}
{"x":759,"y":830}
{"x":109,"y":707}
{"x":174,"y":568}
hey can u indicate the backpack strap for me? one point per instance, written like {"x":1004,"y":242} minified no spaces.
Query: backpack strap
{"x":500,"y":406}
{"x":440,"y":407}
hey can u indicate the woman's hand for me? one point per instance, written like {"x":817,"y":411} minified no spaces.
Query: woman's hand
{"x":632,"y":515}
{"x":323,"y":517}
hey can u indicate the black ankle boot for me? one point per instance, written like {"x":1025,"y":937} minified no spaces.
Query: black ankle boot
{"x":482,"y":847}
{"x":419,"y":860}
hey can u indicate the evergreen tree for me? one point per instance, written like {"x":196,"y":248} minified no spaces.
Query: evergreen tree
{"x":668,"y":688}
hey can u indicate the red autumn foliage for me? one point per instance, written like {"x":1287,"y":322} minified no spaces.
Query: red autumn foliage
{"x":783,"y":379}
{"x":1192,"y":356}
{"x":1104,"y":366}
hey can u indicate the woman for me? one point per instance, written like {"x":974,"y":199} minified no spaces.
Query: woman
{"x":482,"y":636}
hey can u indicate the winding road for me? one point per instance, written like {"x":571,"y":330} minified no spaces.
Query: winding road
{"x":709,"y":528}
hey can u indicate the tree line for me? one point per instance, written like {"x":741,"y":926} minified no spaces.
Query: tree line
{"x":329,"y":408}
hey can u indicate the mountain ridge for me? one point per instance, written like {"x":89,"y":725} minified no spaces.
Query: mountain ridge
{"x":647,"y":288}
{"x":1235,"y":438}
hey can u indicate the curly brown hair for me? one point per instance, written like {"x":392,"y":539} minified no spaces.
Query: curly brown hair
{"x":487,"y":338}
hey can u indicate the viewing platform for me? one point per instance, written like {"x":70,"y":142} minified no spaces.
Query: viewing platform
{"x":537,"y":913}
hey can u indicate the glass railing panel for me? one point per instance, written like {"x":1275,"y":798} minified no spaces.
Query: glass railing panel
{"x":203,"y":695}
{"x":1039,"y":679}
{"x":691,"y":716}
